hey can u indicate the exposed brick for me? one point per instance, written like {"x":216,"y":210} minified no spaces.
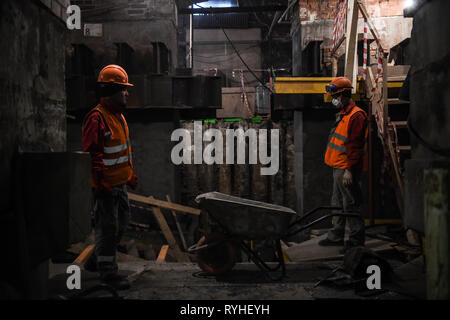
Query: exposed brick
{"x":311,"y":10}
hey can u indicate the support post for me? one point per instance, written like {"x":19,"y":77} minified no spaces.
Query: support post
{"x":437,"y":244}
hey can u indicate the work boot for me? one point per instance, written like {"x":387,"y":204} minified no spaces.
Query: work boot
{"x":328,"y":243}
{"x":116,"y":281}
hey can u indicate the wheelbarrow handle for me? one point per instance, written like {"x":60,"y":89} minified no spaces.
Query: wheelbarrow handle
{"x":356,"y":215}
{"x":309,"y":213}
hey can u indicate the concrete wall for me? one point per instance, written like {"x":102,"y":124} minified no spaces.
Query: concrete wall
{"x":212,"y":50}
{"x":138,"y":23}
{"x":33,"y":111}
{"x":430,"y":75}
{"x":430,"y":104}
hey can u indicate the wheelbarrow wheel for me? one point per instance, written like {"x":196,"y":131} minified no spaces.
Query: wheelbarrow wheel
{"x":217,"y":259}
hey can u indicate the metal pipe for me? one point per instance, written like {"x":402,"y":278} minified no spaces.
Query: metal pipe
{"x":191,"y":41}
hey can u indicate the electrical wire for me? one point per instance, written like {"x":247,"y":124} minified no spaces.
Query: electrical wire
{"x":237,"y":52}
{"x":227,"y":55}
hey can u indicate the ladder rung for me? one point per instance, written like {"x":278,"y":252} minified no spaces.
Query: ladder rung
{"x":399,"y":124}
{"x":397,"y":101}
{"x":405,"y":148}
{"x":397,"y":78}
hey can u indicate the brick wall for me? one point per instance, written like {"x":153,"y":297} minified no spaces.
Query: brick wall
{"x":311,"y":10}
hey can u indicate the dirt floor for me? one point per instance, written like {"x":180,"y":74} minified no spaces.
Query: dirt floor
{"x":185,"y":281}
{"x":313,"y":272}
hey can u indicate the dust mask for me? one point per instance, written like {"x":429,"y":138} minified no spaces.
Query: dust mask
{"x":337,"y":103}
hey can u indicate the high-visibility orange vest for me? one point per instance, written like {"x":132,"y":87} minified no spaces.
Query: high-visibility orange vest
{"x":117,"y":148}
{"x":336,"y":155}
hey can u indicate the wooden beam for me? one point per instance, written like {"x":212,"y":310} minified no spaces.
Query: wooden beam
{"x":385,"y":95}
{"x":181,"y":257}
{"x":164,"y":204}
{"x":162,"y":254}
{"x":397,"y":171}
{"x":180,"y":231}
{"x":85,"y":255}
{"x":351,"y":42}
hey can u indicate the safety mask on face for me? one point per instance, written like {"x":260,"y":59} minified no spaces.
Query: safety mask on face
{"x":337,"y":102}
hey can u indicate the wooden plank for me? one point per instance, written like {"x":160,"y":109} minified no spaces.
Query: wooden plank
{"x":84,"y":256}
{"x":163,"y":204}
{"x":181,"y":257}
{"x":395,"y":101}
{"x":311,"y":251}
{"x":351,"y":36}
{"x":396,"y":169}
{"x":385,"y":95}
{"x":162,"y":254}
{"x":180,"y":231}
{"x":138,"y":225}
{"x":405,"y":148}
{"x":400,"y":124}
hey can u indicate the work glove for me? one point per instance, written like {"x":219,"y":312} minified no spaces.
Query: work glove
{"x":347,"y":180}
{"x":132,"y":183}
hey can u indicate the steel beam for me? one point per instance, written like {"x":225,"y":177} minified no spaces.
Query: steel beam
{"x":231,"y":9}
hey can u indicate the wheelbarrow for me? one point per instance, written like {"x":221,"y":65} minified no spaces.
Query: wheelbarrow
{"x":228,"y":222}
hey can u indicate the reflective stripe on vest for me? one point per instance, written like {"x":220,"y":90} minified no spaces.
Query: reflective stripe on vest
{"x":336,"y":147}
{"x":340,"y":137}
{"x":113,"y":162}
{"x":116,"y":148}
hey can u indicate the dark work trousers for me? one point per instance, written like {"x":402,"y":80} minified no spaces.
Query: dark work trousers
{"x":111,"y":217}
{"x":349,"y":198}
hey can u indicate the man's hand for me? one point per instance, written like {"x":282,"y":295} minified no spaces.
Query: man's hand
{"x":132,"y":183}
{"x":347,"y":180}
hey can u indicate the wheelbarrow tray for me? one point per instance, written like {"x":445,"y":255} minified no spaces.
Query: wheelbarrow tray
{"x":246,"y":219}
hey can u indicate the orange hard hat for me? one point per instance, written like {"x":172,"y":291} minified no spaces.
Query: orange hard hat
{"x":338,"y":85}
{"x":114,"y":74}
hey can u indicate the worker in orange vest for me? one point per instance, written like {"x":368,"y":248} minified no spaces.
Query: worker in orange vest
{"x":106,"y":137}
{"x":346,"y":153}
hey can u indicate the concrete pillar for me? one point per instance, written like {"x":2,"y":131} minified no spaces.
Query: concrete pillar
{"x":437,"y":244}
{"x":298,"y":165}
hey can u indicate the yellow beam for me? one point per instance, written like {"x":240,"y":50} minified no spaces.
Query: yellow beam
{"x":395,"y":84}
{"x":298,"y":85}
{"x":306,"y":85}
